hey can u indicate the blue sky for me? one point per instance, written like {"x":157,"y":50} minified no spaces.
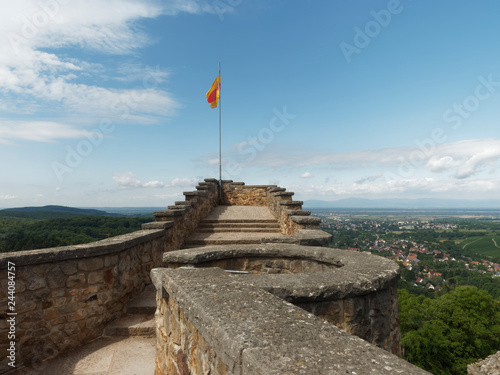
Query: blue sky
{"x":102,"y":103}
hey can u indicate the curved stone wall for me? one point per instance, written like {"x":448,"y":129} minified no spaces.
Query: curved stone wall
{"x":336,"y":285}
{"x":210,"y":321}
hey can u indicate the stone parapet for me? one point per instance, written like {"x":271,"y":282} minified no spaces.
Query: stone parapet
{"x":65,"y":295}
{"x":186,"y":215}
{"x":209,"y":321}
{"x":239,"y":194}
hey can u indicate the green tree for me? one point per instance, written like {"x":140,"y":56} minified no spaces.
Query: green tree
{"x":444,"y":334}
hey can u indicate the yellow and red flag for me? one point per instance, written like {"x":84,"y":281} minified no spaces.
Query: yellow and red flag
{"x":214,"y":93}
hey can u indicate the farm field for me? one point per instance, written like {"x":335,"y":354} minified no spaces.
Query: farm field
{"x":488,"y":245}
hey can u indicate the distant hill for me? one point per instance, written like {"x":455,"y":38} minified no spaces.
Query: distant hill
{"x":423,"y":203}
{"x":52,"y":212}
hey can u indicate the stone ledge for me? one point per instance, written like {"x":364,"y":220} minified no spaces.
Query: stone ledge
{"x":210,"y":253}
{"x":283,"y":193}
{"x":158,"y":225}
{"x":291,"y":203}
{"x":347,"y":278}
{"x":198,"y":193}
{"x":107,"y":246}
{"x":255,"y":332}
{"x":306,"y":220}
{"x":186,"y":203}
{"x":297,"y":212}
{"x":306,"y":237}
{"x":169,"y":213}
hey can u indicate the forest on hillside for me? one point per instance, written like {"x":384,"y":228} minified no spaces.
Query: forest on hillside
{"x":24,"y":233}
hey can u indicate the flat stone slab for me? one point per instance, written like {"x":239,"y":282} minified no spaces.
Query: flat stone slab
{"x":132,"y":325}
{"x":104,"y":356}
{"x":144,"y":303}
{"x":229,"y":238}
{"x":240,"y":212}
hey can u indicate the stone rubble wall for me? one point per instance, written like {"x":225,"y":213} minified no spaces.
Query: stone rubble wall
{"x":212,"y":322}
{"x":288,"y":212}
{"x":65,"y":295}
{"x":184,"y":216}
{"x":239,"y":194}
{"x":488,"y":366}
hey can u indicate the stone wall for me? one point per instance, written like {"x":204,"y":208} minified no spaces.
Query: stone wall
{"x":184,"y":216}
{"x":333,"y":284}
{"x":65,"y":295}
{"x":239,"y":194}
{"x":289,"y":213}
{"x":209,"y":321}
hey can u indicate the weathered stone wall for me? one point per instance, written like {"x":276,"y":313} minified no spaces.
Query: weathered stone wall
{"x":374,"y":317}
{"x":488,"y":366}
{"x":209,"y":321}
{"x":65,"y":295}
{"x":181,"y":350}
{"x":184,"y":216}
{"x":333,"y":284}
{"x":239,"y":194}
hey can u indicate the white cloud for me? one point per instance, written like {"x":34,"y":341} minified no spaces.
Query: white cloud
{"x":128,"y":180}
{"x":463,"y":159}
{"x":306,"y":175}
{"x":34,"y":80}
{"x":40,"y":131}
{"x":184,"y":182}
{"x":407,"y":188}
{"x":8,"y":197}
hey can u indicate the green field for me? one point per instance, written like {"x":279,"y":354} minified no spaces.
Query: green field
{"x":486,"y":245}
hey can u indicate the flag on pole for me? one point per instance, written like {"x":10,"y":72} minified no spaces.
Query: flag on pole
{"x":213,"y":93}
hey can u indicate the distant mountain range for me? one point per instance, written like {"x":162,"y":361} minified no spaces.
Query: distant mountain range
{"x":423,"y":203}
{"x":52,"y":212}
{"x":62,"y":212}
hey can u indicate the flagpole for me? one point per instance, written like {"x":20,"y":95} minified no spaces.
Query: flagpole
{"x":220,"y":139}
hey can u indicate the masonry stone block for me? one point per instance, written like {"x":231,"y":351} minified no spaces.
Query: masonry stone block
{"x":76,"y":281}
{"x":91,"y":264}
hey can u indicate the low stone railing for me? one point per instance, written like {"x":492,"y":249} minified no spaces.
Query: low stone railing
{"x":64,"y":295}
{"x":296,"y":312}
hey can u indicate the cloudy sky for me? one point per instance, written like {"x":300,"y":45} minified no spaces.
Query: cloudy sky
{"x":102,"y":103}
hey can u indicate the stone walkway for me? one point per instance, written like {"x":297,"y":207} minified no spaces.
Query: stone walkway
{"x":128,"y":346}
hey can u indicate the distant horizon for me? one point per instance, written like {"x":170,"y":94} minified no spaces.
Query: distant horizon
{"x":346,"y":203}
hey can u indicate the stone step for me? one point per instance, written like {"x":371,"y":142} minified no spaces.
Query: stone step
{"x":236,"y":221}
{"x":239,"y":225}
{"x":206,"y":239}
{"x":132,"y":325}
{"x":239,"y":229}
{"x":144,"y":303}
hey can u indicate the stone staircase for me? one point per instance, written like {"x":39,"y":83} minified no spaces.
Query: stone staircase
{"x":139,"y":320}
{"x":227,"y":225}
